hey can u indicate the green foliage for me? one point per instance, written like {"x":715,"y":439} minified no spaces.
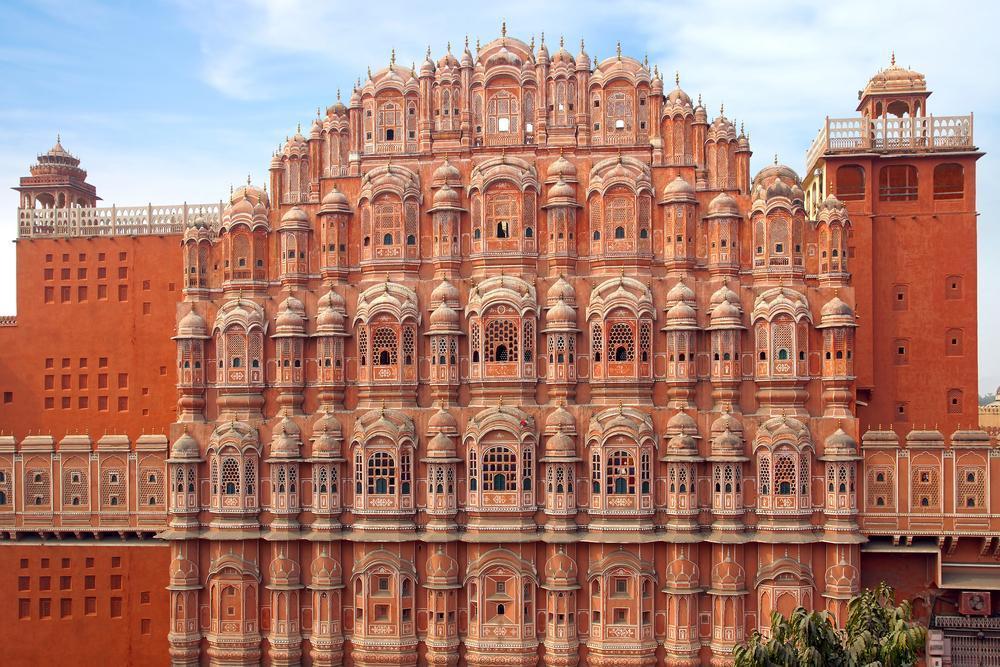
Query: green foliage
{"x":877,"y":634}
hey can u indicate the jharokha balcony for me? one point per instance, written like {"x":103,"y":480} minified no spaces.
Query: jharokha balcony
{"x":891,"y":135}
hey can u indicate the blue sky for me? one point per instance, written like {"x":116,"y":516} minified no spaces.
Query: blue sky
{"x":173,"y":101}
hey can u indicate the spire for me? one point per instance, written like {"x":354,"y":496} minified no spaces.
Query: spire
{"x":722,"y":109}
{"x":338,"y":94}
{"x":645,"y":60}
{"x":532,"y":44}
{"x":677,"y":79}
{"x":429,"y":50}
{"x":775,"y":158}
{"x":503,"y":28}
{"x":392,"y":56}
{"x":892,"y":58}
{"x":618,"y":50}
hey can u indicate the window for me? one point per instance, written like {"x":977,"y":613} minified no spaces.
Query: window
{"x":620,"y":474}
{"x":381,"y":474}
{"x":955,"y":401}
{"x":499,"y":470}
{"x":897,"y":183}
{"x":953,"y":342}
{"x":949,"y":181}
{"x":850,"y":182}
{"x":953,"y":287}
{"x":901,"y":297}
{"x":901,"y":348}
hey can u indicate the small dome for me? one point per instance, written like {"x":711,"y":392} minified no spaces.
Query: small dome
{"x":561,"y":420}
{"x":442,"y":420}
{"x":682,"y":422}
{"x":291,"y":316}
{"x":325,"y":571}
{"x":560,"y":445}
{"x":681,"y":312}
{"x":727,"y":442}
{"x":727,"y":421}
{"x":446,"y":173}
{"x":192,"y":325}
{"x":284,"y":571}
{"x":335,"y":202}
{"x":560,"y":569}
{"x":682,"y":573}
{"x":185,"y":447}
{"x":444,"y":316}
{"x":440,"y":446}
{"x":682,"y":443}
{"x":286,"y":440}
{"x":723,"y":204}
{"x":678,"y":188}
{"x":442,"y":568}
{"x":330,"y":312}
{"x":561,"y":313}
{"x":327,"y":436}
{"x":725,"y":313}
{"x":562,"y":191}
{"x":561,"y":169}
{"x":678,"y":97}
{"x":835,"y":307}
{"x":446,"y":197}
{"x":779,"y":189}
{"x":724,"y":294}
{"x":560,"y":289}
{"x":680,"y":292}
{"x":295,"y":217}
{"x":445,"y":292}
{"x":839,"y":442}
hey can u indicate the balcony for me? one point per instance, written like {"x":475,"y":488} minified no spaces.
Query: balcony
{"x":114,"y":221}
{"x":891,"y":135}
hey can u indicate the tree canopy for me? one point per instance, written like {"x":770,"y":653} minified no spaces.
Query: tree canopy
{"x":878,"y":633}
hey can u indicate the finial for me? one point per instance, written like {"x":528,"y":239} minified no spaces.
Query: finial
{"x":618,"y":50}
{"x":298,"y":128}
{"x":248,"y":179}
{"x":477,"y":45}
{"x":429,"y":50}
{"x":677,"y":80}
{"x":58,"y":138}
{"x":503,"y":28}
{"x":741,"y":127}
{"x":892,"y":58}
{"x":466,"y":42}
{"x":581,"y":45}
{"x":543,"y":39}
{"x":699,"y":99}
{"x":775,"y":158}
{"x":656,"y":71}
{"x":369,"y":72}
{"x":722,"y":109}
{"x":531,"y":45}
{"x":645,"y":60}
{"x":317,"y":112}
{"x":621,"y":407}
{"x":338,"y":94}
{"x":382,"y":409}
{"x":392,"y":56}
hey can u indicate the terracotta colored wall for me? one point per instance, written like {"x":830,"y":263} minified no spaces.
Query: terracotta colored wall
{"x":92,"y":354}
{"x":48,"y":590}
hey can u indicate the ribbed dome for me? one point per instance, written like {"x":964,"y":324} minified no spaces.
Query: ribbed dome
{"x":290,"y":317}
{"x":560,"y":419}
{"x":440,"y":446}
{"x":561,"y":169}
{"x":445,"y":292}
{"x":295,"y":217}
{"x":286,"y":439}
{"x":682,"y":422}
{"x":185,"y":447}
{"x":192,"y":325}
{"x":446,"y":197}
{"x":442,"y":420}
{"x":444,"y":316}
{"x":561,"y":190}
{"x":335,"y":202}
{"x":835,"y":307}
{"x":442,"y":570}
{"x":678,"y":189}
{"x":680,"y":292}
{"x":560,"y":289}
{"x":560,"y":569}
{"x":723,"y":204}
{"x":561,"y":313}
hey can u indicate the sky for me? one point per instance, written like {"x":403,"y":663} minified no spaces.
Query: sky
{"x":175,"y":100}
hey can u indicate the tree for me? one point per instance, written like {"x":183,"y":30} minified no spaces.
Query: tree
{"x":878,"y":633}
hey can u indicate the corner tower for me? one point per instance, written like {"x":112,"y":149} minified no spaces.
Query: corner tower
{"x":57,"y":181}
{"x":908,"y":180}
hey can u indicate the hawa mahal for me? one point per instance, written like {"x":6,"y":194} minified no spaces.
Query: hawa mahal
{"x":511,"y":362}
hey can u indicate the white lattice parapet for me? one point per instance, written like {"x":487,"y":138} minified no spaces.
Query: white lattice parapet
{"x":888,"y":135}
{"x":114,"y":221}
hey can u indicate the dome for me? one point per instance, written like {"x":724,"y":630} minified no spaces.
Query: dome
{"x":776,"y":171}
{"x":560,"y":289}
{"x":682,"y":573}
{"x":727,"y":442}
{"x":442,"y":570}
{"x":444,"y":316}
{"x":286,"y":440}
{"x":682,"y":444}
{"x":192,"y":325}
{"x":678,"y":189}
{"x":326,"y":436}
{"x":726,"y":421}
{"x":442,"y":421}
{"x":560,"y":420}
{"x":724,"y":294}
{"x":836,"y":313}
{"x":560,"y":569}
{"x":682,"y":422}
{"x":726,"y":314}
{"x":681,"y":313}
{"x":445,"y":292}
{"x":723,"y":204}
{"x":330,"y":313}
{"x":185,"y":447}
{"x":446,"y":173}
{"x":335,"y":202}
{"x":291,"y":317}
{"x":325,"y":571}
{"x":779,"y":189}
{"x":561,"y":191}
{"x":561,"y":168}
{"x":503,"y":57}
{"x":295,"y":217}
{"x":561,"y":313}
{"x":839,"y":443}
{"x":446,"y":197}
{"x":727,"y":574}
{"x":680,"y":292}
{"x":440,"y":446}
{"x":560,"y":445}
{"x":284,"y":571}
{"x":896,"y":79}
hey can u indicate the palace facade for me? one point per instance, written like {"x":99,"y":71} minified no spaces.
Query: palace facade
{"x":511,"y":362}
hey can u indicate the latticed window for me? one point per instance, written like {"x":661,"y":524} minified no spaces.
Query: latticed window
{"x":595,"y":471}
{"x":804,"y":473}
{"x":502,"y":113}
{"x":971,"y":487}
{"x":881,"y":487}
{"x":781,"y":342}
{"x":621,"y":218}
{"x":597,"y":337}
{"x":618,"y":112}
{"x":5,"y":486}
{"x":526,"y":468}
{"x":384,"y":347}
{"x":381,"y":474}
{"x":499,"y":470}
{"x":388,"y":215}
{"x":645,"y":473}
{"x":501,"y":340}
{"x":363,"y":346}
{"x":764,"y":474}
{"x":113,"y":487}
{"x":784,"y":475}
{"x":621,"y":342}
{"x":76,"y":488}
{"x":529,"y":339}
{"x":230,"y":477}
{"x":150,"y":486}
{"x":620,"y":475}
{"x":322,"y":483}
{"x":405,"y":472}
{"x":359,"y":474}
{"x":926,"y":488}
{"x":36,"y":486}
{"x":502,"y":214}
{"x":249,"y":476}
{"x":409,"y":352}
{"x":389,"y":122}
{"x":473,"y":470}
{"x":645,"y":339}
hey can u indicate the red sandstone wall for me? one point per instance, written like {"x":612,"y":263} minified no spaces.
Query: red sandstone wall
{"x":91,"y":351}
{"x":95,"y":604}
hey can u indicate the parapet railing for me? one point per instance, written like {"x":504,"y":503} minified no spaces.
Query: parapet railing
{"x":917,"y":133}
{"x":114,"y":220}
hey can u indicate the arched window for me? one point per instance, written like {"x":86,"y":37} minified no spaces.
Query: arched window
{"x":502,"y":113}
{"x":949,"y":181}
{"x":502,"y":211}
{"x":501,"y":340}
{"x":620,"y":474}
{"x":499,"y":470}
{"x":897,"y":182}
{"x":850,"y":182}
{"x":381,"y":474}
{"x":230,"y":477}
{"x":389,"y":122}
{"x":384,"y":347}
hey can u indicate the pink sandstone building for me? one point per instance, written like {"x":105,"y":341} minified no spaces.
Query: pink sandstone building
{"x":512,"y":362}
